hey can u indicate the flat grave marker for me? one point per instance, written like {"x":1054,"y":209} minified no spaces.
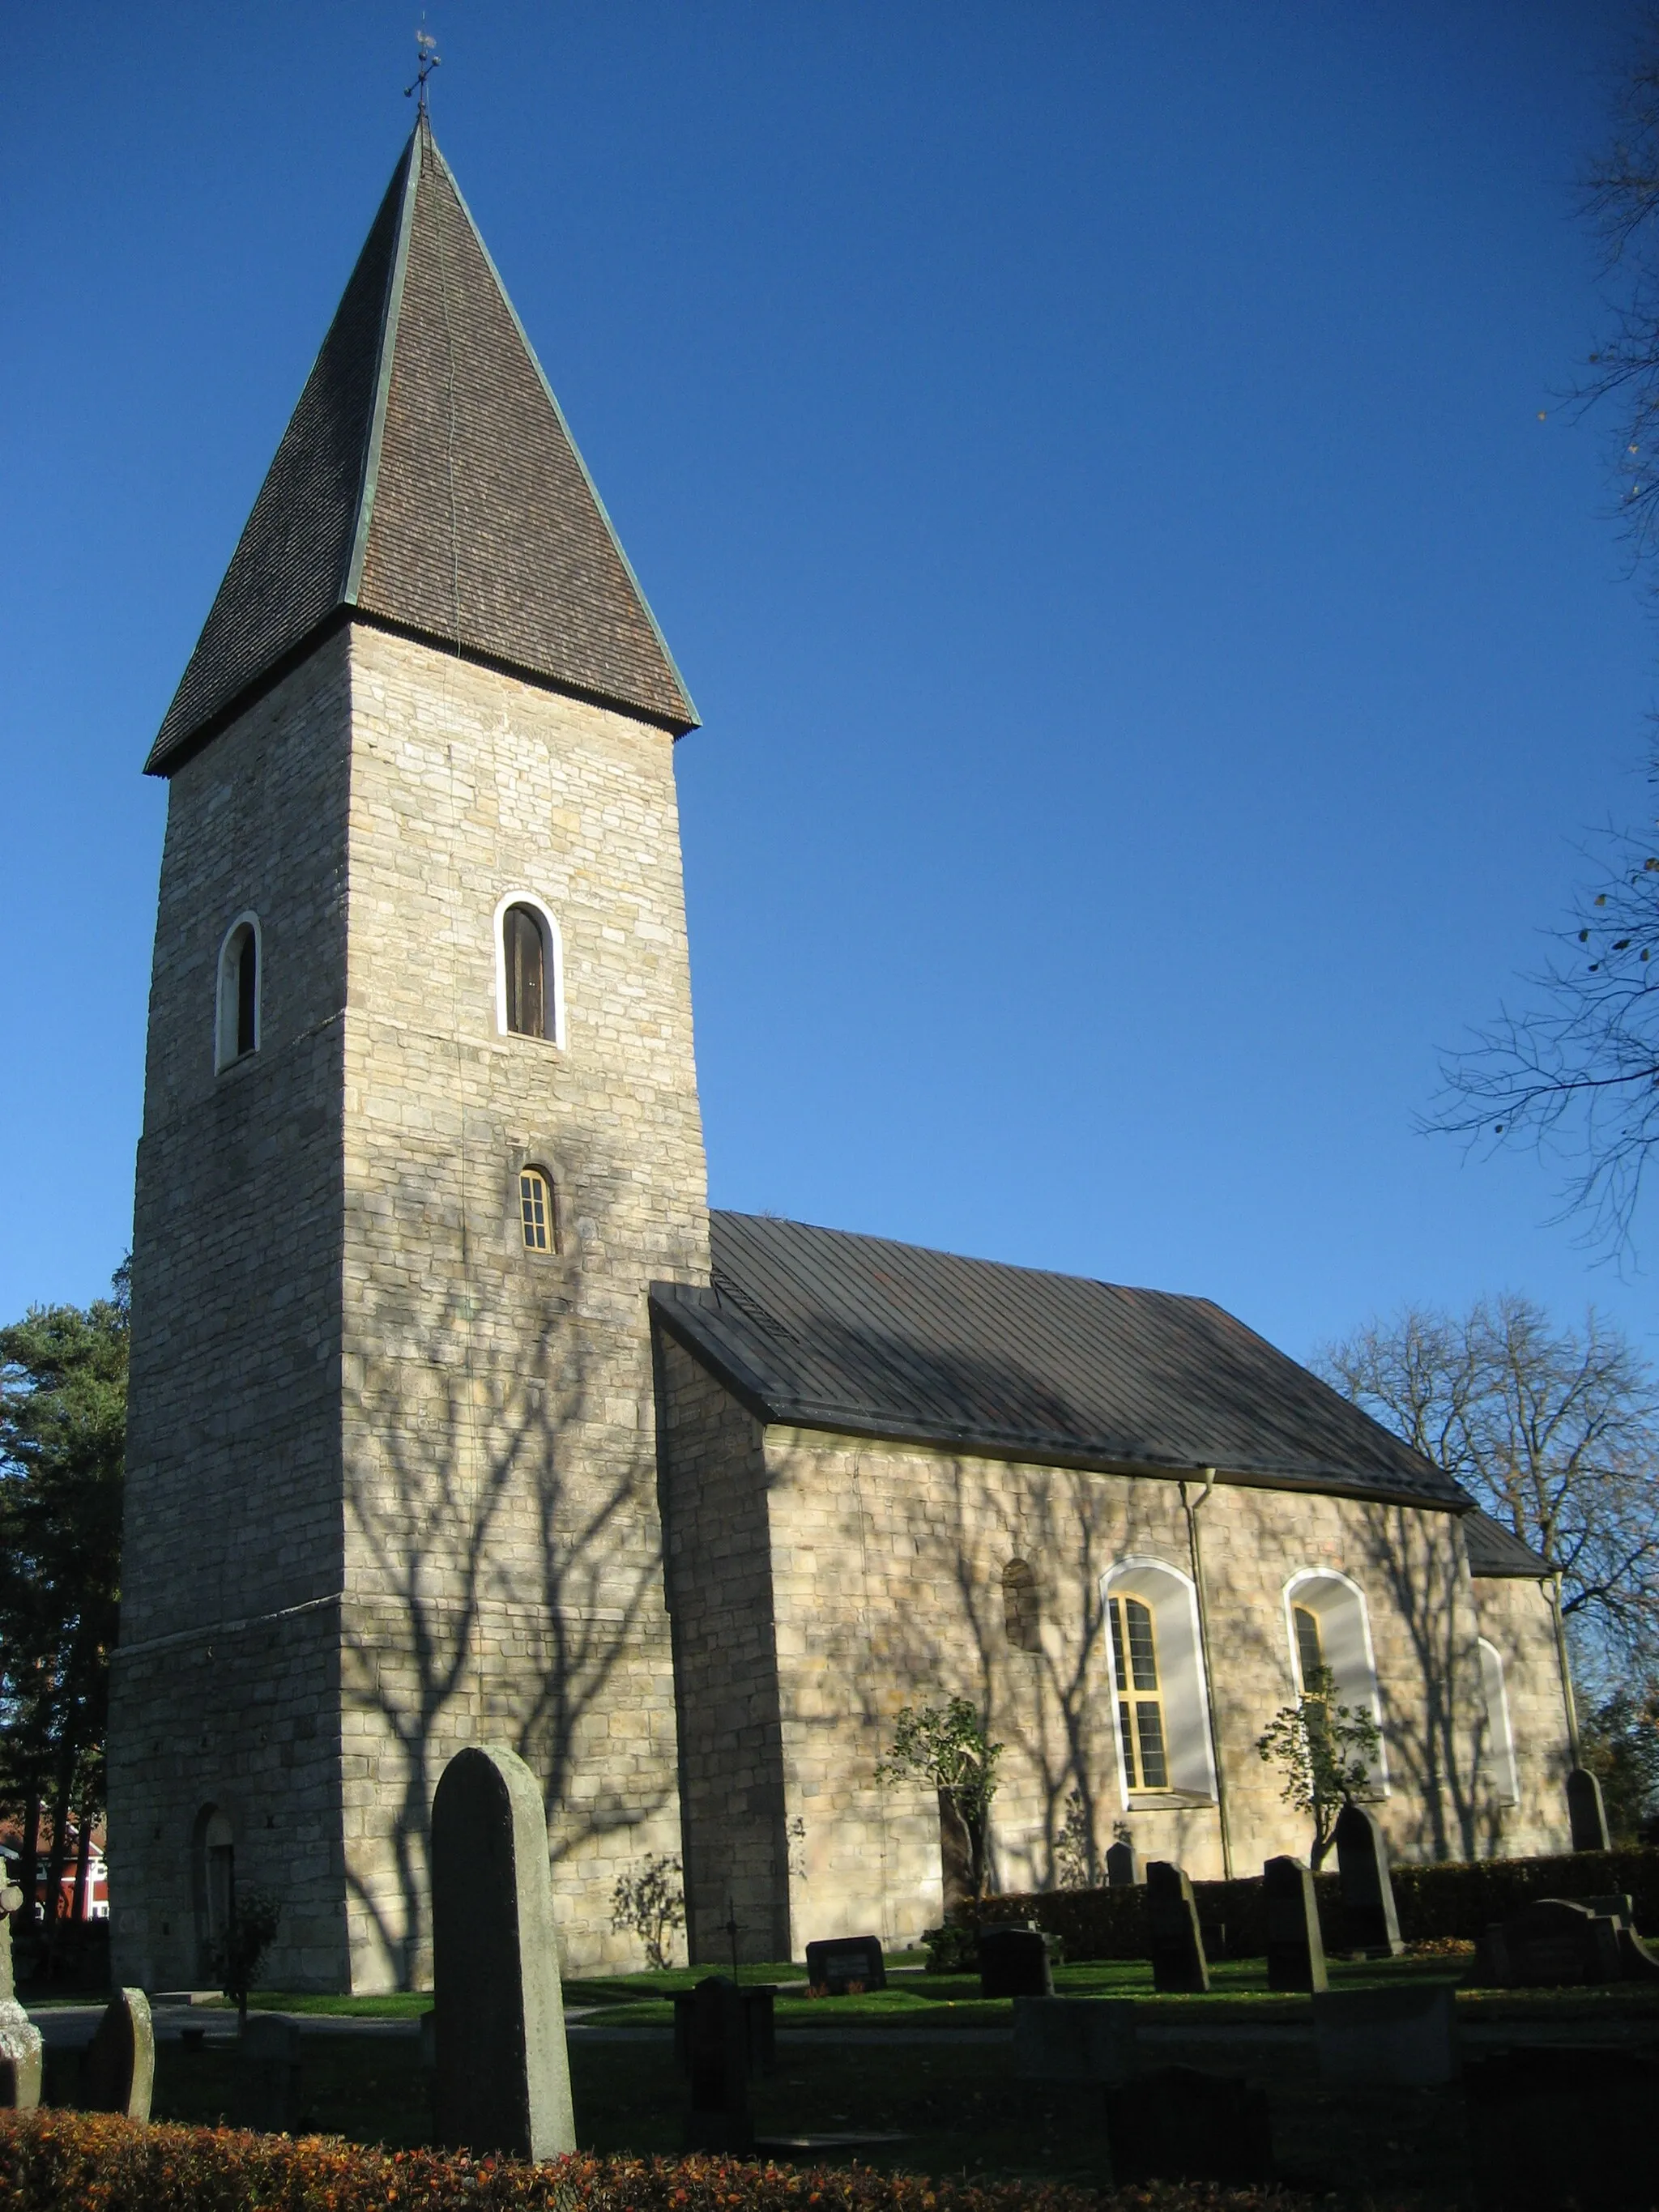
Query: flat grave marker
{"x":835,"y":1965}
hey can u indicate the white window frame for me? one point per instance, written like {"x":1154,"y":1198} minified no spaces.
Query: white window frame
{"x":225,"y":1053}
{"x":1339,"y":1605}
{"x":553,"y":957}
{"x":1173,"y":1601}
{"x":1500,"y":1730}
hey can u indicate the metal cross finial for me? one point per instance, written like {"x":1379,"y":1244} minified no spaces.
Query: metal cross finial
{"x":427,"y":60}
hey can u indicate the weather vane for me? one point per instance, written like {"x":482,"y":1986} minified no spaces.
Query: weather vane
{"x":426,"y":49}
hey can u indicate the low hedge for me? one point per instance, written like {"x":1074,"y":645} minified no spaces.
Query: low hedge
{"x":101,"y":2163}
{"x":1455,"y":1900}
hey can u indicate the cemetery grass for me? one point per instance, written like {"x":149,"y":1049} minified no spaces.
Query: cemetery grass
{"x":961,"y":2112}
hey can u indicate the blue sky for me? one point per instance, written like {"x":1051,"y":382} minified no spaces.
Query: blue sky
{"x":1158,"y":672}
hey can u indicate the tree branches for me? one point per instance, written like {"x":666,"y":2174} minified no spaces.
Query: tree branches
{"x":1554,"y":1431}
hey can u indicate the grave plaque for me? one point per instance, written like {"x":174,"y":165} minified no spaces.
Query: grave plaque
{"x":20,"y":2039}
{"x":1554,"y":1943}
{"x":1122,"y":1864}
{"x":268,"y":2075}
{"x":1179,"y":1967}
{"x":1586,"y":1815}
{"x":1296,"y":1953}
{"x":502,"y":2078}
{"x":119,"y":2071}
{"x":1014,"y":1962}
{"x":722,"y":2035}
{"x":834,"y":1964}
{"x":1074,"y":2039}
{"x":1370,"y":1923}
{"x":1552,"y":2128}
{"x":1404,"y":2038}
{"x":1175,"y":2123}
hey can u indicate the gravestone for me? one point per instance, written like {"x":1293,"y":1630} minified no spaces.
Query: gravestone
{"x":1014,"y":1962}
{"x":1404,"y":2038}
{"x":1177,"y":2125}
{"x":1179,"y":1967}
{"x":1296,"y":1952}
{"x":722,"y":2036}
{"x":502,"y":2081}
{"x":267,"y":2096}
{"x":1554,"y":1943}
{"x":118,"y":2070}
{"x":20,"y":2039}
{"x":1553,"y":2127}
{"x":1074,"y":2039}
{"x":1586,"y":1815}
{"x":835,"y":1965}
{"x":1370,"y":1923}
{"x":1122,"y":1864}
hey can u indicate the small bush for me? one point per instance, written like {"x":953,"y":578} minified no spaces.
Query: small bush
{"x":101,"y":2163}
{"x":952,"y":1950}
{"x":1456,"y":1900}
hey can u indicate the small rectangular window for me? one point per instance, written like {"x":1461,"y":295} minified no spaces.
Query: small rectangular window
{"x":536,"y":1210}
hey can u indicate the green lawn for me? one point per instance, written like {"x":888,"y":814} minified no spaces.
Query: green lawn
{"x":1239,"y":1990}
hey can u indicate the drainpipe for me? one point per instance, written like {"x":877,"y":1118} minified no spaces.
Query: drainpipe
{"x":1566,"y":1671}
{"x":1191,"y":1509}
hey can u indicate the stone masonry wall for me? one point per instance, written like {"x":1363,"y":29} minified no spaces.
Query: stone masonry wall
{"x":887,"y":1591}
{"x":504,"y":1575}
{"x":1517,"y":1620}
{"x":232,"y":1483}
{"x":720,"y":1582}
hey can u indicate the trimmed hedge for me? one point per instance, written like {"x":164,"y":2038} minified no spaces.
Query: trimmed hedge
{"x":101,"y":2163}
{"x":1456,"y":1900}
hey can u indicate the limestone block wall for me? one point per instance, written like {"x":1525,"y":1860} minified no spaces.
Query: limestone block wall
{"x":720,"y":1567}
{"x":1516,"y":1618}
{"x":233,"y":1483}
{"x":886,"y":1589}
{"x":503,"y":1562}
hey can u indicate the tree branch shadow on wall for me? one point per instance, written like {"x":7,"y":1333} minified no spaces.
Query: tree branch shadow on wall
{"x":1454,"y":1812}
{"x":478,"y":1518}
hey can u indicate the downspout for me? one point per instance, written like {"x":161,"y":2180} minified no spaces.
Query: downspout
{"x":1192,"y":1510}
{"x":1566,"y":1669}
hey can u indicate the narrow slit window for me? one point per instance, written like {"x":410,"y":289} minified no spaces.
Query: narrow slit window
{"x":536,"y":1211}
{"x":1139,"y":1694}
{"x":1022,"y":1606}
{"x":238,"y":1012}
{"x":524,"y":951}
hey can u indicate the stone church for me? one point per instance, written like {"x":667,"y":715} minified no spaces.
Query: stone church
{"x":457,"y":1417}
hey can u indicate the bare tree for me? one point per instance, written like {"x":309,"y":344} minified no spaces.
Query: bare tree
{"x":1554,"y":1431}
{"x":1576,"y":1070}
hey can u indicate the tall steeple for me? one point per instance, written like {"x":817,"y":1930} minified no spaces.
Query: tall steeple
{"x":428,"y":481}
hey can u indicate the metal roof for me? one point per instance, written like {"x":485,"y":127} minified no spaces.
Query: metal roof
{"x":818,"y":1328}
{"x":1495,"y":1550}
{"x":427,"y":480}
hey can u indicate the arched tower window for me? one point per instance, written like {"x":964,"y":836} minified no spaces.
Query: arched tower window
{"x":236,"y":1029}
{"x":1159,"y":1706}
{"x":1498,"y":1765}
{"x":538,"y":1220}
{"x":529,"y":986}
{"x":213,"y":1879}
{"x":1022,"y":1606}
{"x":1330,"y":1630}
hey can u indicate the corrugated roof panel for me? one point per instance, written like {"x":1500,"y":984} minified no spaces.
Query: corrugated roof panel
{"x":829,"y":1329}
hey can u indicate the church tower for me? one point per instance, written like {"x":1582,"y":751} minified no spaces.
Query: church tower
{"x":421,"y":1127}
